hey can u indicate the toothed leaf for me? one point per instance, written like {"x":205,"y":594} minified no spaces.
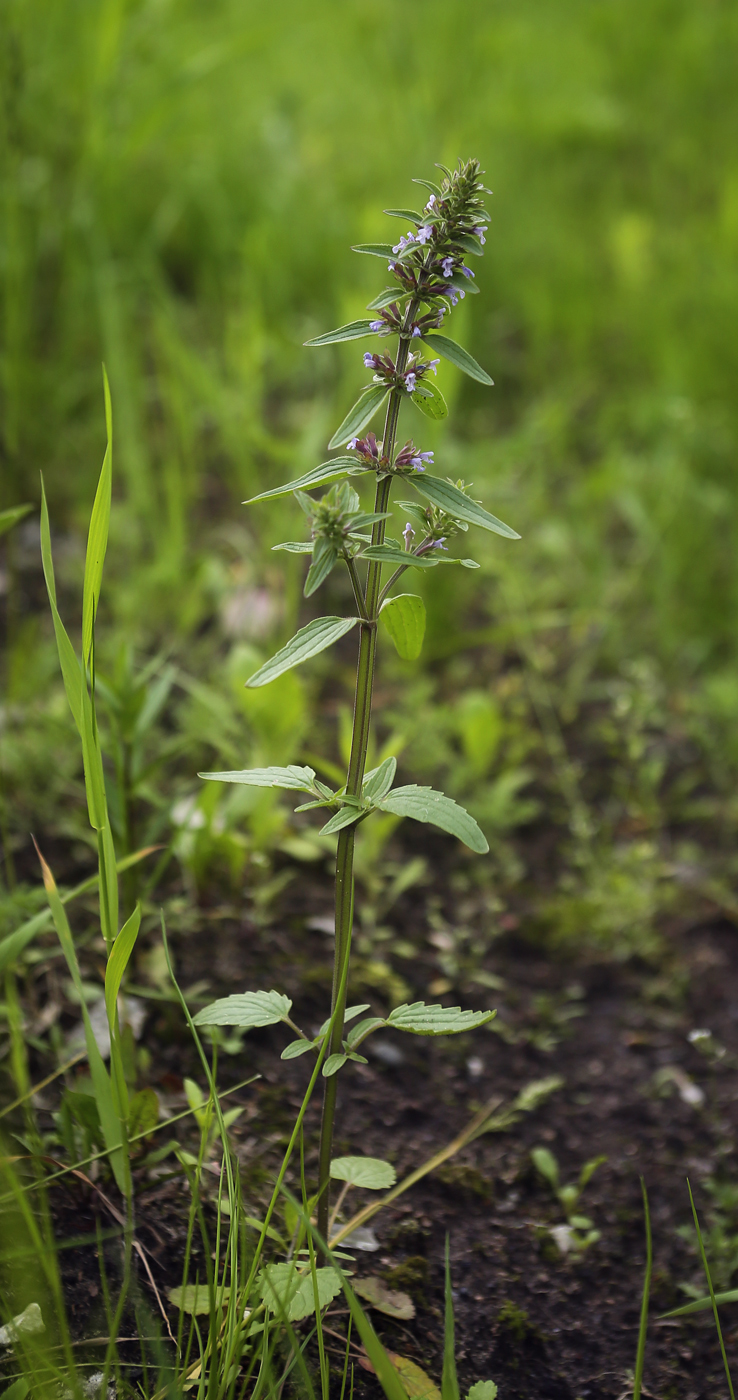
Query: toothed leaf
{"x":426,"y":805}
{"x":419,"y":1019}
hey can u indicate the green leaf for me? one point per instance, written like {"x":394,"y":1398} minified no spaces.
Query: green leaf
{"x":345,"y":817}
{"x":338,"y":466}
{"x":449,"y":1378}
{"x":322,"y":632}
{"x":294,"y":778}
{"x":97,"y":539}
{"x":9,"y":518}
{"x":404,"y":618}
{"x":545,"y":1162}
{"x":483,"y":1390}
{"x":353,"y":331}
{"x":68,"y":660}
{"x":416,"y":1381}
{"x":297,"y":1048}
{"x":430,"y":400}
{"x":246,"y":1009}
{"x":362,"y":413}
{"x":449,"y":350}
{"x":118,"y":962}
{"x":375,"y":1292}
{"x":325,"y":558}
{"x":419,"y":1019}
{"x":434,"y":189}
{"x":426,"y":805}
{"x":700,"y":1304}
{"x":296,"y":546}
{"x":194,"y":1298}
{"x":469,"y":244}
{"x":144,"y":1112}
{"x":362,"y":1029}
{"x":449,"y":498}
{"x":286,"y":1291}
{"x":97,"y":805}
{"x":333,"y":1064}
{"x":378,"y":782}
{"x":410,"y":214}
{"x":370,"y":1172}
{"x":386,"y":298}
{"x":392,"y":554}
{"x":378,"y":250}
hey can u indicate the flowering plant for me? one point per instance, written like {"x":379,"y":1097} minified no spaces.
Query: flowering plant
{"x":430,"y":276}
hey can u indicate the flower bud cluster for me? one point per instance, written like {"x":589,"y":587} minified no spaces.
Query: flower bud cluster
{"x":386,"y":372}
{"x":430,"y":259}
{"x":436,"y":524}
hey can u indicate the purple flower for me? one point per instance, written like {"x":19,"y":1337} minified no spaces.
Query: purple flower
{"x":404,"y":242}
{"x":416,"y":332}
{"x":390,"y":267}
{"x":447,"y":266}
{"x":432,"y":365}
{"x":468,"y":272}
{"x":352,"y":443}
{"x":376,"y":325}
{"x":418,"y":462}
{"x":439,"y":544}
{"x":453,"y":295}
{"x":480,"y":232}
{"x":431,"y":202}
{"x":408,"y":535}
{"x":410,"y":381}
{"x":368,"y":360}
{"x":424,"y":233}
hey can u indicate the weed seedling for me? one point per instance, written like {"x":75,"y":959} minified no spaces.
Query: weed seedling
{"x":578,"y":1233}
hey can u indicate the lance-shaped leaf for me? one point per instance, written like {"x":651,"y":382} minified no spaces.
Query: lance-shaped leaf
{"x":457,"y":356}
{"x":419,"y":1019}
{"x":370,"y":1172}
{"x":469,"y":244}
{"x":362,"y":413}
{"x":430,"y":400}
{"x":378,"y":250}
{"x":404,"y":617}
{"x":296,"y":546}
{"x":293,"y":778}
{"x":392,"y":554}
{"x":9,"y":518}
{"x":387,"y":297}
{"x":410,"y":214}
{"x":68,"y":659}
{"x":378,"y":782}
{"x":118,"y":961}
{"x":434,"y":189}
{"x":426,"y":805}
{"x":449,"y":498}
{"x":325,"y":558}
{"x":333,"y":1064}
{"x":297,"y":1048}
{"x":345,"y":817}
{"x":353,"y":331}
{"x":309,"y":641}
{"x":246,"y":1009}
{"x":338,"y":466}
{"x":97,"y":539}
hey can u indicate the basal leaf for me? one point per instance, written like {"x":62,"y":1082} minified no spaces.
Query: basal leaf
{"x":97,"y":539}
{"x":404,"y":618}
{"x":353,"y":331}
{"x":194,"y":1298}
{"x":294,"y":778}
{"x":392,"y":554}
{"x":430,"y":400}
{"x":426,"y":805}
{"x":378,"y":250}
{"x":419,"y":1019}
{"x":449,"y":498}
{"x":118,"y":961}
{"x":456,"y":355}
{"x":357,"y":417}
{"x":370,"y":1172}
{"x":418,"y":1385}
{"x":289,"y":1292}
{"x":378,"y":782}
{"x":9,"y":518}
{"x":338,"y":466}
{"x":322,"y":632}
{"x":483,"y":1390}
{"x":246,"y":1009}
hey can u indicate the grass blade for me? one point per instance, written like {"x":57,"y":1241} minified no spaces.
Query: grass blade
{"x":706,"y":1268}
{"x":97,"y":539}
{"x":449,"y":1378}
{"x":643,"y":1327}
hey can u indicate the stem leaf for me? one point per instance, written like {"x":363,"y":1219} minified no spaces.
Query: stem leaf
{"x":426,"y":805}
{"x":378,"y":250}
{"x":449,"y":498}
{"x":97,"y":539}
{"x":378,"y":782}
{"x":430,"y":400}
{"x":404,"y":617}
{"x":419,"y":1019}
{"x":353,"y":331}
{"x":345,"y":817}
{"x":333,"y":1064}
{"x":294,"y":778}
{"x":456,"y":355}
{"x":246,"y":1009}
{"x":338,"y":466}
{"x":362,"y":413}
{"x":322,"y":632}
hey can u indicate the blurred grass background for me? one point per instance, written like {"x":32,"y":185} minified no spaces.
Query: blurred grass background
{"x":181,"y":183}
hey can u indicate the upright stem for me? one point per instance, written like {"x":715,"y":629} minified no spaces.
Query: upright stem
{"x":357,"y":763}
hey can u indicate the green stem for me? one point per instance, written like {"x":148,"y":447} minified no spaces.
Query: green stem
{"x":357,"y":763}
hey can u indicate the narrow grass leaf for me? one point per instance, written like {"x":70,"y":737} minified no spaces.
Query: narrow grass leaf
{"x":353,"y":331}
{"x":458,"y":356}
{"x":404,"y":618}
{"x":9,"y":518}
{"x":118,"y":962}
{"x":713,"y":1299}
{"x":338,"y":466}
{"x":643,"y":1325}
{"x":449,"y":1378}
{"x":423,"y":804}
{"x":97,"y":539}
{"x":309,"y":641}
{"x":97,"y":806}
{"x":449,"y":498}
{"x":68,"y":660}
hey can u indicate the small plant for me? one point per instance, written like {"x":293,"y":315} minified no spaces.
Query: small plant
{"x":430,"y":276}
{"x":578,"y":1233}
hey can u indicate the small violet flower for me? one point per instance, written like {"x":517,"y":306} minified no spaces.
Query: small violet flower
{"x":431,"y":202}
{"x":419,"y":461}
{"x":424,"y":233}
{"x":376,"y":325}
{"x":410,"y":381}
{"x":416,"y":332}
{"x":408,"y":535}
{"x":480,"y":232}
{"x":368,"y":360}
{"x":468,"y":272}
{"x":447,"y":266}
{"x":404,"y":242}
{"x":439,"y":544}
{"x":453,"y":295}
{"x":432,"y":364}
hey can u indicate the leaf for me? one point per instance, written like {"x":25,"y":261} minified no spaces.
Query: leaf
{"x":345,"y":817}
{"x":246,"y":1009}
{"x":392,"y":554}
{"x":143,"y":1115}
{"x":322,"y":632}
{"x":297,"y":1048}
{"x":295,"y":546}
{"x":404,"y":618}
{"x":483,"y":1390}
{"x":68,"y":660}
{"x":426,"y":805}
{"x":418,"y":1385}
{"x":338,"y":466}
{"x":434,"y":189}
{"x":293,"y":778}
{"x":194,"y":1298}
{"x":378,"y":250}
{"x":375,"y":1292}
{"x":363,"y":1029}
{"x":370,"y":1172}
{"x":118,"y":962}
{"x":9,"y":518}
{"x":286,"y":1291}
{"x":97,"y":805}
{"x":325,"y":558}
{"x":430,"y":400}
{"x":419,"y":1019}
{"x":449,"y":498}
{"x":333,"y":1064}
{"x":387,"y":297}
{"x":377,"y":783}
{"x":700,"y":1304}
{"x":353,"y":331}
{"x":362,"y":413}
{"x":456,"y":354}
{"x":545,"y":1162}
{"x":449,"y":1378}
{"x":97,"y":538}
{"x":410,"y":214}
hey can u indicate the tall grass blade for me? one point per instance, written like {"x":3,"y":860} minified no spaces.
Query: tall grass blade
{"x":70,"y":666}
{"x":643,"y":1327}
{"x":97,"y":539}
{"x":449,"y":1378}
{"x":708,"y":1276}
